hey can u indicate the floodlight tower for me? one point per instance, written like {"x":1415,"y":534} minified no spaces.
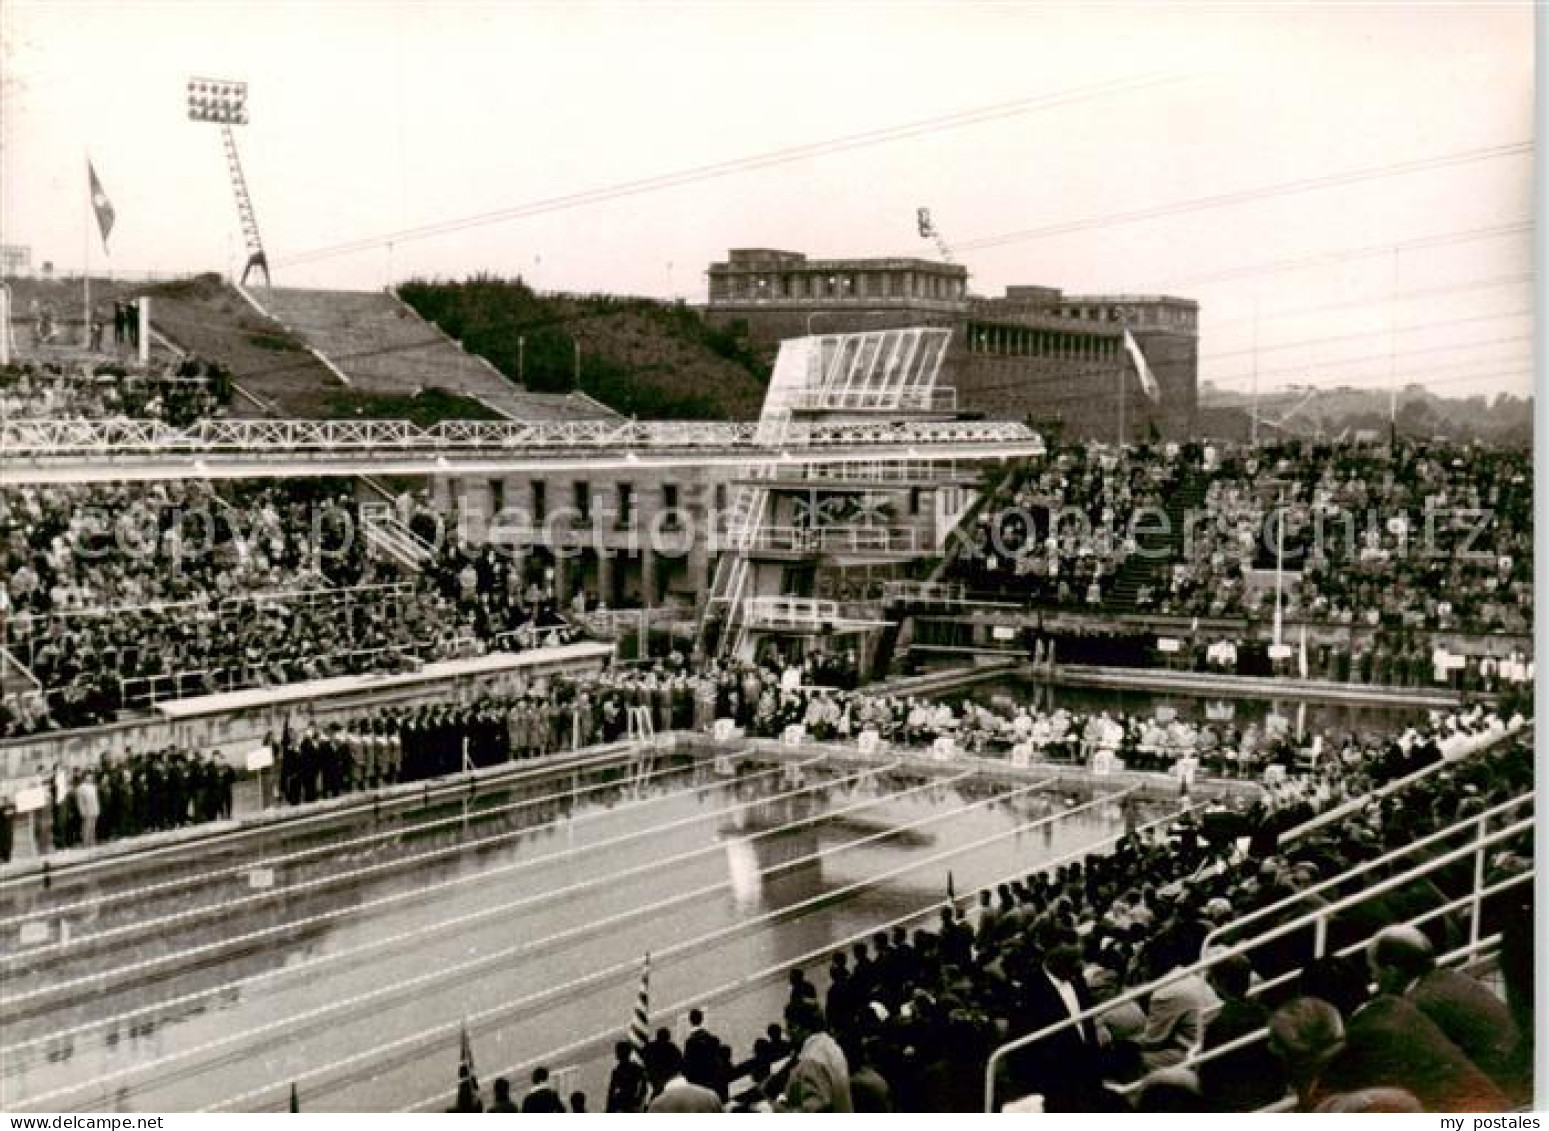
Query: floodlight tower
{"x":224,"y":103}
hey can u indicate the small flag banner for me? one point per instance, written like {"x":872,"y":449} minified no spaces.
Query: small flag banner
{"x":100,"y":204}
{"x":1147,"y":379}
{"x":467,"y":1075}
{"x":640,"y":1022}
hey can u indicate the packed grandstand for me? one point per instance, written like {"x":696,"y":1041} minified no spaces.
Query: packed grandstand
{"x":1334,"y":917}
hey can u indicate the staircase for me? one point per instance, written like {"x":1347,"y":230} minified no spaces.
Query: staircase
{"x":728,"y":589}
{"x":1158,"y":551}
{"x":1003,"y":481}
{"x":15,"y":679}
{"x":379,"y":345}
{"x":390,"y":538}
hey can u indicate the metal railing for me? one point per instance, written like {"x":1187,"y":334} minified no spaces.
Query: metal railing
{"x":306,"y":597}
{"x":1468,"y":952}
{"x":876,"y":400}
{"x":390,"y":535}
{"x":1355,"y":804}
{"x":790,"y":612}
{"x":835,"y":539}
{"x":147,"y":691}
{"x":904,"y":472}
{"x":1317,"y":920}
{"x":42,"y":439}
{"x":1478,"y":822}
{"x":925,"y":592}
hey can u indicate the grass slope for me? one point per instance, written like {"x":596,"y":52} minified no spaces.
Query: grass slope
{"x":640,"y":357}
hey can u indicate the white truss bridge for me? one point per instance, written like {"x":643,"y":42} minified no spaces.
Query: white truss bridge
{"x":84,"y":451}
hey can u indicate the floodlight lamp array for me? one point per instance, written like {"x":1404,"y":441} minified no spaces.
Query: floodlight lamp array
{"x":217,"y":100}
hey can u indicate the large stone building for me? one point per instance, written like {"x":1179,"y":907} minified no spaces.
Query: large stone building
{"x":1033,"y":353}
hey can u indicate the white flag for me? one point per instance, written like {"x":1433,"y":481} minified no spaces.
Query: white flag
{"x":1147,"y":380}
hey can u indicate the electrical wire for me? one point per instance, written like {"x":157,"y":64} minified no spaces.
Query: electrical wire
{"x":1344,"y":304}
{"x":768,"y":159}
{"x":1323,"y":259}
{"x":1245,"y":196}
{"x":1366,"y":334}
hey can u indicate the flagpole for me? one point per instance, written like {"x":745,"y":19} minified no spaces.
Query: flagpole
{"x":1124,"y":318}
{"x":86,"y":260}
{"x":1253,"y":433}
{"x":1279,"y":563}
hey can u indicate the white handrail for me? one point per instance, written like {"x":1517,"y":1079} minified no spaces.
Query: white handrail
{"x":43,"y":439}
{"x":1247,"y":1040}
{"x":1344,"y":809}
{"x":1311,"y":919}
{"x":1477,"y":819}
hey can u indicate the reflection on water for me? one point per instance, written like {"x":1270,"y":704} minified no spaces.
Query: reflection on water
{"x":761,"y":875}
{"x":1010,"y":692}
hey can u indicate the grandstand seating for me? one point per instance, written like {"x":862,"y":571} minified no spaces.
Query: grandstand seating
{"x":1449,"y":851}
{"x":1433,"y":536}
{"x":119,"y":597}
{"x":381,"y":345}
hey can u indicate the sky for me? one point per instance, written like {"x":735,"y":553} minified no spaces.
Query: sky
{"x":1346,"y":190}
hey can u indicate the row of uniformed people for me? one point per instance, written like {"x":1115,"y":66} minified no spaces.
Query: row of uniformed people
{"x":123,"y":796}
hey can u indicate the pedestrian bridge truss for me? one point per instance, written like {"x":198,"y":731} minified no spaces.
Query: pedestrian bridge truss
{"x":83,"y":451}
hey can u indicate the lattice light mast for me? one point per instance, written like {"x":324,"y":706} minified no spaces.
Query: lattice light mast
{"x":224,"y":103}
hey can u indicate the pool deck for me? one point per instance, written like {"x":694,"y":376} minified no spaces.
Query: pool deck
{"x":1257,"y":687}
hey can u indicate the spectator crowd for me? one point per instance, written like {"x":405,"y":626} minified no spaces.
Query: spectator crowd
{"x":1424,"y":536}
{"x":1111,"y":946}
{"x":115,"y":596}
{"x":179,"y":393}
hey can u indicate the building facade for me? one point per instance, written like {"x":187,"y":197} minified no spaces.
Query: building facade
{"x":1033,"y":354}
{"x":621,"y":539}
{"x":771,"y":295}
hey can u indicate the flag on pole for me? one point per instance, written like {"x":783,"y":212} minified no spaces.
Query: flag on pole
{"x":295,"y":1100}
{"x":467,"y":1076}
{"x":640,"y":1022}
{"x":100,"y":204}
{"x":1148,"y":383}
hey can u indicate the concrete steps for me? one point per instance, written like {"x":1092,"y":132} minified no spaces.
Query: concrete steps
{"x":381,"y":346}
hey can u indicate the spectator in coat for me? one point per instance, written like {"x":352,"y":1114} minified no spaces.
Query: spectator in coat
{"x":543,"y":1098}
{"x":627,"y":1083}
{"x":1249,"y":1078}
{"x":674,"y":1093}
{"x":1404,"y":963}
{"x":1388,"y":1044}
{"x":503,"y":1102}
{"x":820,"y":1077}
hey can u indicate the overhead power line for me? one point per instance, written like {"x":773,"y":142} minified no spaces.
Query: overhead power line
{"x":1339,"y":361}
{"x":1106,"y":392}
{"x":1344,"y":304}
{"x":1246,"y":196}
{"x":1250,"y":350}
{"x":1371,"y":251}
{"x":1290,"y":392}
{"x":956,"y":120}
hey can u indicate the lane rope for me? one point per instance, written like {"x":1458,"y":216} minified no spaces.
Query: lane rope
{"x":288,"y":1024}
